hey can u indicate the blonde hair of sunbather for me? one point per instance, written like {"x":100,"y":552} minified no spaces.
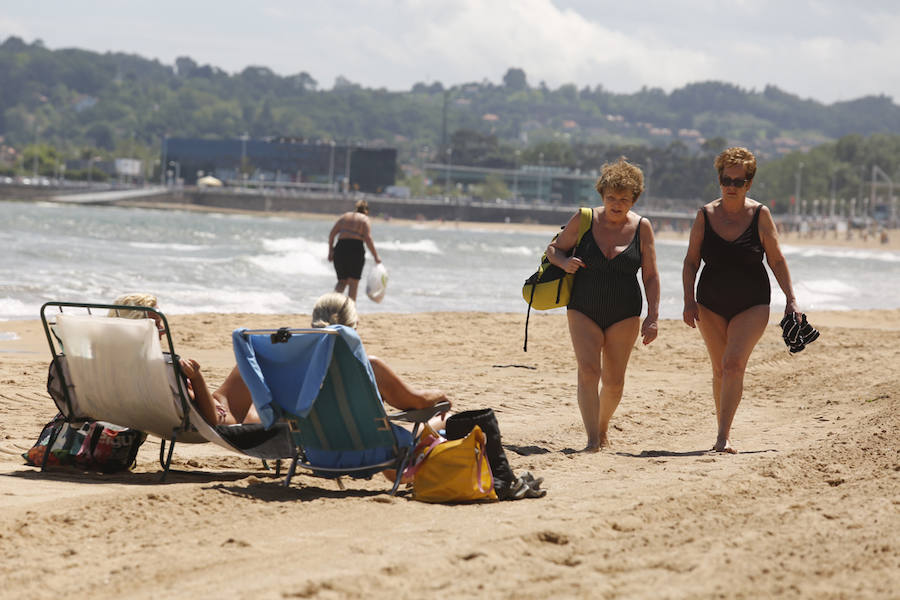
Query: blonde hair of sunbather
{"x":140,"y":299}
{"x":335,"y":308}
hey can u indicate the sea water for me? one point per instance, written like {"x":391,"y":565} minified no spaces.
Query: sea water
{"x":217,"y":262}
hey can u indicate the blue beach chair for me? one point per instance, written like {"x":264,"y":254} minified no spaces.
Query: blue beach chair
{"x":320,"y":382}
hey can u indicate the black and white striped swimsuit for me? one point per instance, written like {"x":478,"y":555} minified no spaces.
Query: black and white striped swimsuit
{"x":606,"y":290}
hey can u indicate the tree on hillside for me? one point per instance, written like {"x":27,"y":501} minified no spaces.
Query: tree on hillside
{"x":515,"y":80}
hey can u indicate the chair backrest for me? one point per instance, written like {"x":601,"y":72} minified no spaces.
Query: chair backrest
{"x":119,"y":373}
{"x":321,"y":382}
{"x":348,"y":413}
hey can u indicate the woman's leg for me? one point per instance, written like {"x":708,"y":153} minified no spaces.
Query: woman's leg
{"x":617,"y":346}
{"x":234,"y":396}
{"x":744,"y":331}
{"x":587,"y":341}
{"x":714,"y":330}
{"x":353,"y":285}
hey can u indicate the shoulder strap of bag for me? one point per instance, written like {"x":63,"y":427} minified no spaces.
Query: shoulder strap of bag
{"x":584,"y":225}
{"x":587,"y":218}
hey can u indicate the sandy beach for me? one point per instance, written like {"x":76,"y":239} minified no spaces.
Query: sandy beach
{"x":809,"y":508}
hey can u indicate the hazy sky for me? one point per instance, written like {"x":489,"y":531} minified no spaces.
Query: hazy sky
{"x":824,"y":49}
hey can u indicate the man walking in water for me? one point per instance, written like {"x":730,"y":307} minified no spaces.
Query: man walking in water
{"x":351,"y":230}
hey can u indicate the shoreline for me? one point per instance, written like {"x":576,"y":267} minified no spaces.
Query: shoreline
{"x":792,"y":238}
{"x":826,"y":240}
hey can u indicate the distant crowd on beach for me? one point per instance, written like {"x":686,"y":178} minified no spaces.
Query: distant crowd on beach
{"x":810,"y":229}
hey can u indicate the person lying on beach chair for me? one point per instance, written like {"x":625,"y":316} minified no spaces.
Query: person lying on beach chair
{"x":337,"y":309}
{"x":229,"y":404}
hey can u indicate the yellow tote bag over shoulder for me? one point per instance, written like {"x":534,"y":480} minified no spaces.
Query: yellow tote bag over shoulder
{"x":549,"y":286}
{"x":455,"y":471}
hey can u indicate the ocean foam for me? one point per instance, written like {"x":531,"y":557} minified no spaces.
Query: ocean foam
{"x":12,"y":308}
{"x":170,"y":246}
{"x":421,"y":246}
{"x":845,"y":253}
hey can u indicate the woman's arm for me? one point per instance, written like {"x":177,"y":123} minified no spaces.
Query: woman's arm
{"x":397,"y":393}
{"x":367,"y":238}
{"x":558,"y":249}
{"x":650,"y":275}
{"x":769,"y":236}
{"x":689,"y":272}
{"x":331,"y":236}
{"x":202,"y":397}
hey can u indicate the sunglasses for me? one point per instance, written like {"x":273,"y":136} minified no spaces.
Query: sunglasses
{"x":729,"y":182}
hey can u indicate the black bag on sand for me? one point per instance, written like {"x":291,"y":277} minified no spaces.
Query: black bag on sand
{"x":460,"y":424}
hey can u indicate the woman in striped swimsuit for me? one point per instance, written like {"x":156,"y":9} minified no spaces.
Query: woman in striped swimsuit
{"x":605,"y":306}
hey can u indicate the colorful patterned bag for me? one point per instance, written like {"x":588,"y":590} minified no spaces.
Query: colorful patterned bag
{"x":91,"y":445}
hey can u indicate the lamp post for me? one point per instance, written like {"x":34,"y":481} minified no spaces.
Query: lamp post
{"x":797,"y":187}
{"x":540,"y":189}
{"x":347,"y":168}
{"x":331,"y":168}
{"x":177,"y":166}
{"x":163,"y":180}
{"x":34,"y":163}
{"x":244,"y":138}
{"x":878,"y":171}
{"x":447,"y":173}
{"x":516,"y":177}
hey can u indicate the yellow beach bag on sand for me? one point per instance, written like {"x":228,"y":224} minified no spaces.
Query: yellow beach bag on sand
{"x":455,"y":471}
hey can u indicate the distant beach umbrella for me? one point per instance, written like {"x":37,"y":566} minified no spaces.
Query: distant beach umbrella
{"x":209,"y":181}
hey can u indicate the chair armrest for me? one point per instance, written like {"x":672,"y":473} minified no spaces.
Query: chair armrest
{"x":420,"y":415}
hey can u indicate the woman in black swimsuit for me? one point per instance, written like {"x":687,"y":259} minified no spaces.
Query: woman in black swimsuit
{"x":351,"y":230}
{"x":605,"y":306}
{"x":731,"y":235}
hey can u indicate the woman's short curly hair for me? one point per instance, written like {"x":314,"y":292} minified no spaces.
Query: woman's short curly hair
{"x":621,"y":175}
{"x":737,"y":156}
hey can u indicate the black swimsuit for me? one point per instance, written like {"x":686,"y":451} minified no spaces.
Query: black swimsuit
{"x":733,"y":277}
{"x":349,"y":258}
{"x":606,"y":290}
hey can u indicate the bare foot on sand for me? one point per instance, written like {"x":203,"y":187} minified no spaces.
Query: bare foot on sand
{"x":597,"y":446}
{"x":724,"y":446}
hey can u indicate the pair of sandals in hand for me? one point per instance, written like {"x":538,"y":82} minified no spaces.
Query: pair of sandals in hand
{"x":797,"y":333}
